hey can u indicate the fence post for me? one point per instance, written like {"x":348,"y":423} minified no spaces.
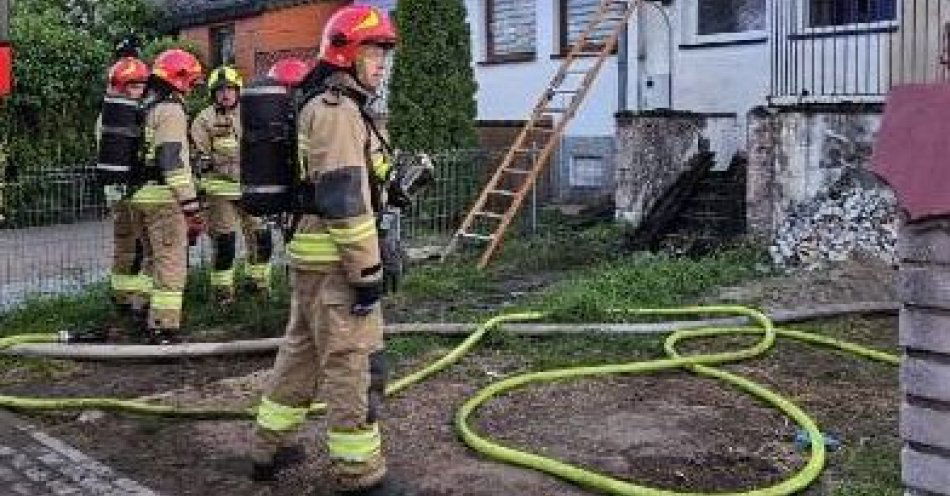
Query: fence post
{"x":534,"y":191}
{"x":925,"y":372}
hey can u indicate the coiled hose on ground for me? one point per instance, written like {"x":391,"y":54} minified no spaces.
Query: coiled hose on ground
{"x":699,"y":364}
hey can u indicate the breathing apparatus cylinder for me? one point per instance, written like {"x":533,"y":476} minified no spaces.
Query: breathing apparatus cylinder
{"x":268,"y":148}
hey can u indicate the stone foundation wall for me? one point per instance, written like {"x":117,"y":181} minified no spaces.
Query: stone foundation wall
{"x":652,"y":152}
{"x":810,"y":193}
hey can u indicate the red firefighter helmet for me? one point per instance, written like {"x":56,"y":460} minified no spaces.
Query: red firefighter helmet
{"x":289,"y":72}
{"x":351,"y":27}
{"x":178,"y":68}
{"x":127,"y":70}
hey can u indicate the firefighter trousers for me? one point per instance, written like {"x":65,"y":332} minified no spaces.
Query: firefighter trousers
{"x":166,"y":240}
{"x":328,"y":348}
{"x":130,"y":281}
{"x":226,"y":219}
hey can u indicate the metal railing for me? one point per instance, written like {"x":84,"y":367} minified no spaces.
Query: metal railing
{"x":855,"y":50}
{"x":460,"y":175}
{"x":56,"y":233}
{"x":54,"y":236}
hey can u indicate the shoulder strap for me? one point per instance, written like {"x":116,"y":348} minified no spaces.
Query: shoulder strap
{"x":370,"y":122}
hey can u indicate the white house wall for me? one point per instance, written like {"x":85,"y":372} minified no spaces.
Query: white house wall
{"x":713,"y":79}
{"x":722,"y":79}
{"x":509,"y":91}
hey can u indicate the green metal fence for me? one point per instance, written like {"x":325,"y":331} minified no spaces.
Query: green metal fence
{"x":56,"y":235}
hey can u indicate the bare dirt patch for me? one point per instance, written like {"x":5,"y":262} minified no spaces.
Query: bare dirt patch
{"x":856,"y":281}
{"x":670,"y":430}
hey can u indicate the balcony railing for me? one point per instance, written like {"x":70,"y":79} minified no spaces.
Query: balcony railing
{"x":830,"y":51}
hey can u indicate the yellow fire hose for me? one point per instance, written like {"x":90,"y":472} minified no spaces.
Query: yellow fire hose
{"x":699,"y":364}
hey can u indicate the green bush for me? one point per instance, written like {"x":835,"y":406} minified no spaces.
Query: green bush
{"x":60,"y":76}
{"x":62,"y":53}
{"x":432,"y":100}
{"x":63,"y":50}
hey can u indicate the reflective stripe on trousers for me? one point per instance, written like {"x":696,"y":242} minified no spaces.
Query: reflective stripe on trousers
{"x":259,"y":272}
{"x":354,"y":446}
{"x":166,"y":300}
{"x":222,"y":278}
{"x":279,"y":418}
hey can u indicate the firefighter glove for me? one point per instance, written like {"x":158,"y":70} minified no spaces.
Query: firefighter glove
{"x":196,"y":226}
{"x":366,"y":299}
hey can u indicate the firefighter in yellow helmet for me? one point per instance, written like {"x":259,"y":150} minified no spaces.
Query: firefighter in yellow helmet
{"x":167,"y":201}
{"x":216,"y":135}
{"x":334,"y":336}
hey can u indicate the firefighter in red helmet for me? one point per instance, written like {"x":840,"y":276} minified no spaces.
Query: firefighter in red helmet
{"x":129,"y":281}
{"x":334,"y":335}
{"x":289,"y":72}
{"x":167,"y":201}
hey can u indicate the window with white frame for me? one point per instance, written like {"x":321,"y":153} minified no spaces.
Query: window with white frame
{"x":724,"y":20}
{"x":829,"y":13}
{"x":511,"y":30}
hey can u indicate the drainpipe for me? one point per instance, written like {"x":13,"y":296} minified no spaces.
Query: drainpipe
{"x":642,"y":51}
{"x":623,"y":67}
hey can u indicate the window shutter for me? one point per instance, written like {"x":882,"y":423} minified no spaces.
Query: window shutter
{"x":512,"y":27}
{"x":578,"y":14}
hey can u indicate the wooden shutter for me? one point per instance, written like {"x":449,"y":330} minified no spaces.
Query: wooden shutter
{"x":511,"y":29}
{"x":575,"y":16}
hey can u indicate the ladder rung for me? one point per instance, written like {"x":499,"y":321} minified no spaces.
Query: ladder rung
{"x":476,"y":236}
{"x":503,"y":192}
{"x":554,"y":108}
{"x":490,"y":214}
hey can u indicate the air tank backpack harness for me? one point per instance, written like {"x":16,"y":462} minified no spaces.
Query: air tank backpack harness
{"x":268,"y":148}
{"x":271,"y":175}
{"x":119,"y":167}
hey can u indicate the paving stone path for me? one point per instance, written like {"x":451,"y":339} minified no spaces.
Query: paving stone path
{"x":35,"y":464}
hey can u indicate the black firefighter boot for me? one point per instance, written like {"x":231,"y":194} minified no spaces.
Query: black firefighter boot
{"x":164,"y":337}
{"x":284,"y":458}
{"x":139,"y":319}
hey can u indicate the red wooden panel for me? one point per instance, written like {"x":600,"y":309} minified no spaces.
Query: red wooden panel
{"x":912,"y":151}
{"x":6,"y":68}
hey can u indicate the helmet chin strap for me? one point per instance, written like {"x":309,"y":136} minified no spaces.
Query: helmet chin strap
{"x":220,"y":106}
{"x":355,"y":72}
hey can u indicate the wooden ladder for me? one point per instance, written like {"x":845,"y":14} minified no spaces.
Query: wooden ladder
{"x":510,"y":183}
